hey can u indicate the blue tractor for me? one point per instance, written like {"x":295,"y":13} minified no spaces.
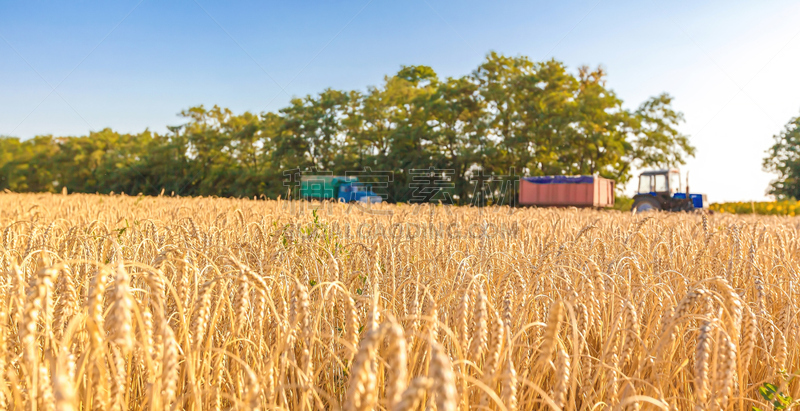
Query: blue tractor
{"x":661,"y":190}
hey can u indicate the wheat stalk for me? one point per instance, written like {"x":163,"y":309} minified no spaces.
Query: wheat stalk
{"x":212,"y":304}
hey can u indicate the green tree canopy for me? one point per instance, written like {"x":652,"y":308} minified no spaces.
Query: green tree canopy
{"x":783,"y":159}
{"x":535,"y":117}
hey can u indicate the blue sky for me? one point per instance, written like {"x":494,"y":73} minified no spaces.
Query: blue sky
{"x":732,"y":66}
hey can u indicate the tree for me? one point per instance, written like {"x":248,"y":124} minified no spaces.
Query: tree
{"x":162,"y":163}
{"x":657,"y":141}
{"x":597,"y":137}
{"x":783,"y":159}
{"x":394,"y":132}
{"x":455,"y":130}
{"x":504,"y":141}
{"x":27,"y":165}
{"x":312,"y":130}
{"x":511,"y":112}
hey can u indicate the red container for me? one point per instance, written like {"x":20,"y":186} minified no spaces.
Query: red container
{"x":566,"y":191}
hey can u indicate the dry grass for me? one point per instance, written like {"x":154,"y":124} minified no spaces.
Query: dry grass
{"x":165,"y":303}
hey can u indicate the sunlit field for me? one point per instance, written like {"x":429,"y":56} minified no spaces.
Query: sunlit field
{"x":120,"y":302}
{"x":785,"y":207}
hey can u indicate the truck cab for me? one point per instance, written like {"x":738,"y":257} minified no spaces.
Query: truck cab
{"x":661,"y":190}
{"x":358,"y":192}
{"x":337,"y":188}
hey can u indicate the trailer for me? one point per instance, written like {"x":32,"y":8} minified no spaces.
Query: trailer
{"x":566,"y":191}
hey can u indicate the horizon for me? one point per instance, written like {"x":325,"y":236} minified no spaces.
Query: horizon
{"x":135,"y":65}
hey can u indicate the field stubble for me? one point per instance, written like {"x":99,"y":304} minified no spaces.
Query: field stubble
{"x":116,"y":302}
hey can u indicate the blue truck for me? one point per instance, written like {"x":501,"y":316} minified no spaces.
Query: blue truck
{"x":345,"y":189}
{"x":661,"y":190}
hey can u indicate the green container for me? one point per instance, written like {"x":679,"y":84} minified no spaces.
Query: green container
{"x":322,"y":187}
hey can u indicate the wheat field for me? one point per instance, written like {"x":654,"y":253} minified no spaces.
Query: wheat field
{"x":120,"y":302}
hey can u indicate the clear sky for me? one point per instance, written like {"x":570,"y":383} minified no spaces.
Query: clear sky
{"x":731,"y":65}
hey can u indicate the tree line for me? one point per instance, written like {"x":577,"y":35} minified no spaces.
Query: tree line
{"x":535,"y":117}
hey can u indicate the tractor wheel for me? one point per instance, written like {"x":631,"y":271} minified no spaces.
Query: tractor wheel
{"x":643,"y":204}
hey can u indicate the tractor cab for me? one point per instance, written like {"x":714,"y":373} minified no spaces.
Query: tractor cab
{"x":661,"y":190}
{"x":660,"y":181}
